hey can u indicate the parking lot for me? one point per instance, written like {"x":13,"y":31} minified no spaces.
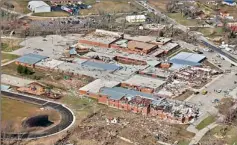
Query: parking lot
{"x":52,"y":46}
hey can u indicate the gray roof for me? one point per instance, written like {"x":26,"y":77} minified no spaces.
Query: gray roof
{"x":31,"y":58}
{"x":191,"y":57}
{"x":101,"y":65}
{"x":37,"y":3}
{"x":184,"y":62}
{"x":117,"y":93}
{"x":113,"y":94}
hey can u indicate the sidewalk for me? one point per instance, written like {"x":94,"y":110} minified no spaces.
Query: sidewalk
{"x":201,"y":133}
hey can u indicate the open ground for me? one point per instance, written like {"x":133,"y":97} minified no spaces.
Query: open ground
{"x":14,"y":112}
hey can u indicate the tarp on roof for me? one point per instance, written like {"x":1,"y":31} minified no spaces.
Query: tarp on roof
{"x":31,"y":58}
{"x":101,"y":65}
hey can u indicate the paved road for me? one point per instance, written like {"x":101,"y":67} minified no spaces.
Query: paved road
{"x":218,"y":50}
{"x":67,"y":116}
{"x":186,"y":29}
{"x":202,"y":98}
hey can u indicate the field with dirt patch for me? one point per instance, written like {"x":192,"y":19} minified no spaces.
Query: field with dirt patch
{"x":14,"y":112}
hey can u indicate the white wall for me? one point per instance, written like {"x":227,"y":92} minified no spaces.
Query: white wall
{"x":41,"y":9}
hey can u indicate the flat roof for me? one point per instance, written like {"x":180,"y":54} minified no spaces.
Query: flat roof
{"x":184,"y":62}
{"x":192,"y":57}
{"x":131,"y":93}
{"x":121,"y":53}
{"x":163,"y":39}
{"x":101,"y":36}
{"x":138,"y":44}
{"x":37,"y":3}
{"x":31,"y":58}
{"x":101,"y":55}
{"x":144,"y":81}
{"x":101,"y":65}
{"x":169,"y":46}
{"x":14,"y":81}
{"x":153,"y":62}
{"x":156,"y":71}
{"x":157,"y":52}
{"x":96,"y":85}
{"x":112,"y":93}
{"x":50,"y":63}
{"x":140,"y":38}
{"x":136,"y":17}
{"x":80,"y":60}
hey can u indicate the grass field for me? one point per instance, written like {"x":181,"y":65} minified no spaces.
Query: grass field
{"x":52,"y":14}
{"x":221,"y":134}
{"x":182,"y":20}
{"x":108,"y":6}
{"x":205,"y":122}
{"x":159,"y":4}
{"x":8,"y":57}
{"x":21,"y":6}
{"x":211,"y":32}
{"x":9,"y":45}
{"x":13,"y":110}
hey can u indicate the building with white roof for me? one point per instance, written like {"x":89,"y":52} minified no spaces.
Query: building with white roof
{"x":143,"y":83}
{"x":38,"y":6}
{"x":96,"y":85}
{"x":136,"y":18}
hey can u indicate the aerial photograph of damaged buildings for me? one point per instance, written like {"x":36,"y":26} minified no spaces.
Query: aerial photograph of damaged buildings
{"x":118,"y":72}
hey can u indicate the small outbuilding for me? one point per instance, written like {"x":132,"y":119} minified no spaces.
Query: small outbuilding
{"x":38,"y":6}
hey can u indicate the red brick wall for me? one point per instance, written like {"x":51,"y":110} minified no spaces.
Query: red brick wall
{"x":138,"y":88}
{"x":94,"y":43}
{"x":113,"y":103}
{"x":25,"y":64}
{"x":103,"y":99}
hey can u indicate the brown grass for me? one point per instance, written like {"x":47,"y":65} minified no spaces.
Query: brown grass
{"x":108,"y":6}
{"x":159,"y":4}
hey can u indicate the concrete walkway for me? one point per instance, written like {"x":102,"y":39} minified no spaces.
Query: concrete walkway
{"x":201,"y":133}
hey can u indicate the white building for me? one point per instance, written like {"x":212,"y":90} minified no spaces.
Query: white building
{"x":38,"y":7}
{"x":136,"y":18}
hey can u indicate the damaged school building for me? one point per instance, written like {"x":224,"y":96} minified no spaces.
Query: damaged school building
{"x":131,"y":73}
{"x":142,"y":45}
{"x":109,"y":93}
